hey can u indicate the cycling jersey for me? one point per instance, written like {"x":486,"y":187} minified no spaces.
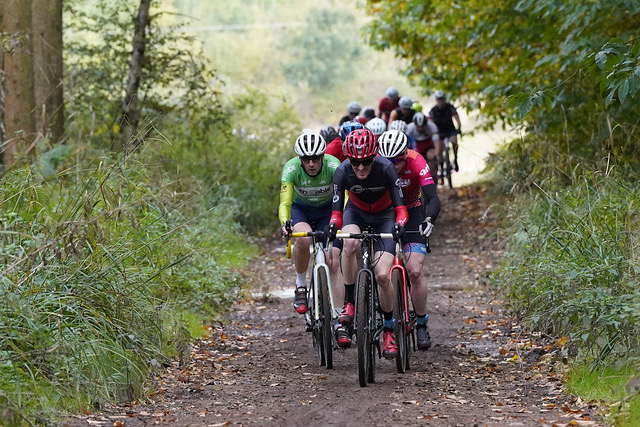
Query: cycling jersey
{"x":375,"y":194}
{"x":416,"y":180}
{"x":404,"y":115}
{"x":424,"y":137}
{"x":334,"y":148}
{"x":443,"y":117}
{"x":304,"y":190}
{"x":385,"y":107}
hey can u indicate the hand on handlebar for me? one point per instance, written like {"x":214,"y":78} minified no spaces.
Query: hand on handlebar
{"x":332,"y":231}
{"x":426,"y":228}
{"x":285,"y":230}
{"x":398,"y":232}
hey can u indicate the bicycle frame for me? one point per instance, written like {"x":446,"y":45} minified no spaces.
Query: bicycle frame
{"x":321,"y":324}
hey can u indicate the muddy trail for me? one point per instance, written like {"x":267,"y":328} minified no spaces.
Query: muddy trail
{"x":259,"y":367}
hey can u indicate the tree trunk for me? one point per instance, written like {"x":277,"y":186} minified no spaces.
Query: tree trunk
{"x":47,"y":47}
{"x":18,"y":84}
{"x":130,"y":106}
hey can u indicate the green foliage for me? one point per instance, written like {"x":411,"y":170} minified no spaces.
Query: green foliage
{"x":96,"y":259}
{"x":607,"y":385}
{"x":317,"y":53}
{"x":175,"y":77}
{"x":571,"y":263}
{"x":619,"y":63}
{"x":486,"y":53}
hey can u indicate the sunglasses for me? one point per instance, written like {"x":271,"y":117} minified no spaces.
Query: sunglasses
{"x":307,"y":159}
{"x":364,"y":162}
{"x":396,"y":160}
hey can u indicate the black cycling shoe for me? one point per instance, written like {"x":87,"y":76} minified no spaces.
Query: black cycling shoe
{"x":300,"y":300}
{"x":424,"y":339}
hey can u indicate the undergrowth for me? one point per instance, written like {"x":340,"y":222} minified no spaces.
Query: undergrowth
{"x":101,"y":263}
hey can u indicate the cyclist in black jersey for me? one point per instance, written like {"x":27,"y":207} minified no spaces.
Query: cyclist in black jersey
{"x":375,"y":199}
{"x":443,"y":115}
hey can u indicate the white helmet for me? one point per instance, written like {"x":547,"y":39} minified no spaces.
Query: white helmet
{"x":353,"y":107}
{"x":400,"y":125}
{"x":405,"y":102}
{"x":419,"y":119}
{"x":439,"y":94}
{"x":376,"y":125}
{"x":310,"y":144}
{"x":392,"y":143}
{"x":392,"y":92}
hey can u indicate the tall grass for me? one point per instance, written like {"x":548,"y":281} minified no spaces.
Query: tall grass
{"x":572,"y":263}
{"x":98,"y":259}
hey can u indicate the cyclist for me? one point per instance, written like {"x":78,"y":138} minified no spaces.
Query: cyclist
{"x":353,"y":109}
{"x":404,"y":111}
{"x":368,"y":113}
{"x":388,"y":103}
{"x":375,"y":199}
{"x":423,"y":205}
{"x":376,"y":125}
{"x":335,"y":146}
{"x":329,"y":133}
{"x":425,"y":135}
{"x":305,"y":204}
{"x":443,"y":114}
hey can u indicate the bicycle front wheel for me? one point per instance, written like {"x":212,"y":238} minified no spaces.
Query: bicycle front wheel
{"x":400,"y":325}
{"x":364,"y":330}
{"x":315,"y":325}
{"x":326,"y":325}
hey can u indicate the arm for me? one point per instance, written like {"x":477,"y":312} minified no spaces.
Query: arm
{"x":431,"y":201}
{"x":457,"y":119}
{"x":286,"y":200}
{"x":435,"y":136}
{"x":393,"y":116}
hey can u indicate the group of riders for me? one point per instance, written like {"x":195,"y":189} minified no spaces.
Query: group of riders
{"x":381,"y":164}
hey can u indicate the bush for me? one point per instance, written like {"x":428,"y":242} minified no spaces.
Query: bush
{"x":571,"y":264}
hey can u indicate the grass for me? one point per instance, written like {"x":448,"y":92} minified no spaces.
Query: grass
{"x":608,"y":387}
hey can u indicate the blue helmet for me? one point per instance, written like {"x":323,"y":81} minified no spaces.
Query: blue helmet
{"x":348,"y":127}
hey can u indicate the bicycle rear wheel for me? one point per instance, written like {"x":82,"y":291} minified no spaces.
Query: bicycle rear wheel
{"x":400,"y":325}
{"x":326,"y":325}
{"x":364,"y":331}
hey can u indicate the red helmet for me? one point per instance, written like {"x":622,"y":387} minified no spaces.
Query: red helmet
{"x":360,"y":144}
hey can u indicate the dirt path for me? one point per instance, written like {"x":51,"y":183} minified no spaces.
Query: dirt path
{"x":260,"y":368}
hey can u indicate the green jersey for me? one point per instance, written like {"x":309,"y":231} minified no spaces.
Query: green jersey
{"x":297,"y":186}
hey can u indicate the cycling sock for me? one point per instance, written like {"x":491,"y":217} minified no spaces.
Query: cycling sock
{"x":422,"y":319}
{"x":349,"y":290}
{"x":301,"y":280}
{"x":388,"y":320}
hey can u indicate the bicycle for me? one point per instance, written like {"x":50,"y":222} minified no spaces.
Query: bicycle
{"x":446,"y":167}
{"x":405,"y":317}
{"x":368,"y":318}
{"x":320,"y":316}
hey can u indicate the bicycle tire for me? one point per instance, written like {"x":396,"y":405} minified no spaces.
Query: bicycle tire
{"x":373,"y":328}
{"x":363,"y":327}
{"x":316,"y":333}
{"x":399,"y":327}
{"x":326,"y":325}
{"x":447,"y":164}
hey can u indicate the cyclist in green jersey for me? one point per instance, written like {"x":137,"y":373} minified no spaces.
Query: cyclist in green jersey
{"x":305,"y":205}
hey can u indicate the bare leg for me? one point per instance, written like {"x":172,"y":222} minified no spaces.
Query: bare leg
{"x":381,"y":270}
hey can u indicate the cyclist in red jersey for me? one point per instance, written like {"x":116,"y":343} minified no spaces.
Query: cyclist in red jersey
{"x":335,"y":146}
{"x":423,"y":205}
{"x":388,"y":103}
{"x":375,"y":199}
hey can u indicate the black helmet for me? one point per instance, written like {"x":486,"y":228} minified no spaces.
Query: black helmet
{"x":329,"y":133}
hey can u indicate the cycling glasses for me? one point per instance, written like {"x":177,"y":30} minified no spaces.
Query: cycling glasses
{"x":364,"y":162}
{"x":307,"y":159}
{"x":396,"y":160}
